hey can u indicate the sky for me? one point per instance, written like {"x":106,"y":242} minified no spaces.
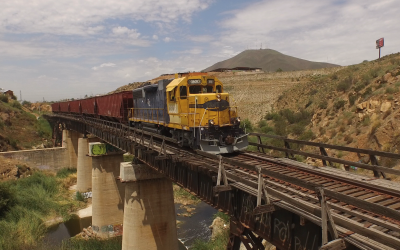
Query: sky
{"x":61,"y":49}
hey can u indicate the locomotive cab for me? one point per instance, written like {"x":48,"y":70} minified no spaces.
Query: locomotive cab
{"x":201,"y":115}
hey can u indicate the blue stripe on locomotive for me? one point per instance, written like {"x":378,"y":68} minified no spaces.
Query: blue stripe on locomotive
{"x":149,"y":102}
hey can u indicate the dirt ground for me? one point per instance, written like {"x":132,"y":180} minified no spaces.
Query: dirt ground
{"x":13,"y":169}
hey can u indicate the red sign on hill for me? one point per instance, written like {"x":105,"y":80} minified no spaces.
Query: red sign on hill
{"x":379,"y":43}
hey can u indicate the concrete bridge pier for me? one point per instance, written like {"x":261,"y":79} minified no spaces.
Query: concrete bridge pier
{"x":84,"y":166}
{"x":149,"y":212}
{"x":107,"y":195}
{"x":64,"y":138}
{"x":72,"y":146}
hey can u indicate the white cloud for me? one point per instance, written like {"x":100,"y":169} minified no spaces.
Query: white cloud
{"x":194,"y":51}
{"x":124,"y":31}
{"x":167,"y":39}
{"x":344,"y":31}
{"x":77,"y":16}
{"x":103,"y":65}
{"x":201,"y":39}
{"x":155,"y":37}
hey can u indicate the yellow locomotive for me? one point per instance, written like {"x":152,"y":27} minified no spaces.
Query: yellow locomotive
{"x":193,"y":109}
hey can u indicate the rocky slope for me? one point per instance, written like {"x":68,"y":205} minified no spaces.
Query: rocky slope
{"x":357,"y":106}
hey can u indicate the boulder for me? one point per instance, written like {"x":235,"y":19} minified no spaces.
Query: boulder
{"x":387,"y":77}
{"x":386,"y":106}
{"x":362,"y":105}
{"x":217,"y":227}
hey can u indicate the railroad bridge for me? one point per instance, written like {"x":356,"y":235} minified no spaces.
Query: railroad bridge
{"x":288,"y":203}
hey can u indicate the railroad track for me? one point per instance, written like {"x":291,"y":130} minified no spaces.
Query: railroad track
{"x":385,"y":228}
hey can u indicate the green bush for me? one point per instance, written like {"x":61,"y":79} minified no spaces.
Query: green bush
{"x":92,"y":244}
{"x":323,"y":104}
{"x":366,"y":120}
{"x":65,"y":172}
{"x":272,"y":116}
{"x":4,"y":98}
{"x":307,"y":136}
{"x":280,"y":127}
{"x":367,"y":92}
{"x":334,"y":76}
{"x":390,"y":90}
{"x":44,"y":128}
{"x":266,"y":129}
{"x":7,"y":198}
{"x":279,"y":70}
{"x":246,"y":125}
{"x":352,"y":99}
{"x":27,"y":103}
{"x":339,"y":104}
{"x":16,"y":105}
{"x":374,"y":73}
{"x":79,"y":196}
{"x":262,"y":123}
{"x":359,"y":87}
{"x":345,"y":85}
{"x":297,"y":129}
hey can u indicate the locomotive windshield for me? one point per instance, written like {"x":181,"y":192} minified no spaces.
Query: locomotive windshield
{"x":198,"y":89}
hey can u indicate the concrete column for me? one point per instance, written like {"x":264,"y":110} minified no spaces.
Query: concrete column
{"x":107,"y":195}
{"x":84,"y":166}
{"x":64,"y":138}
{"x":72,"y":145}
{"x":149,"y":211}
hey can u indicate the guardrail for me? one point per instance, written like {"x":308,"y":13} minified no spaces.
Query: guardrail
{"x":375,"y":167}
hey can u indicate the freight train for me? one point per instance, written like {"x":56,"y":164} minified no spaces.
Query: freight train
{"x":192,"y":108}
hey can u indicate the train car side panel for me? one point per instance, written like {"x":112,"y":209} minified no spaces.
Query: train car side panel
{"x":115,"y":106}
{"x":55,"y":107}
{"x":88,"y":106}
{"x":75,"y":106}
{"x":64,"y":107}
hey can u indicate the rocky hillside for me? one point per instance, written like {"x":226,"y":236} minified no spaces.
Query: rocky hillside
{"x":269,"y":60}
{"x":357,"y":106}
{"x":20,"y":129}
{"x":255,"y":93}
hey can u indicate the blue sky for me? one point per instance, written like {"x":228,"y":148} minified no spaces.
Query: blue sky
{"x":69,"y":48}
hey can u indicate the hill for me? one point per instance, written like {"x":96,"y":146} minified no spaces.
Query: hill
{"x":356,"y":106}
{"x":20,"y":129}
{"x":269,"y":60}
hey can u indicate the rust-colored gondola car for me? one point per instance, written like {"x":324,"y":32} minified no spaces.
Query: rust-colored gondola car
{"x":114,"y":107}
{"x":55,"y":107}
{"x":88,"y":106}
{"x":64,"y":107}
{"x":75,"y":107}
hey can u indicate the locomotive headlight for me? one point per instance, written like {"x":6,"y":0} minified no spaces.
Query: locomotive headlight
{"x":211,"y":122}
{"x":219,"y":97}
{"x":238,"y":119}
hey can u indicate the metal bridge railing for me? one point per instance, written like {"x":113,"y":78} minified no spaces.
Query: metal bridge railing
{"x":375,"y":167}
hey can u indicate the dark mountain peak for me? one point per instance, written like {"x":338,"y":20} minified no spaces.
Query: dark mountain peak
{"x":268,"y":60}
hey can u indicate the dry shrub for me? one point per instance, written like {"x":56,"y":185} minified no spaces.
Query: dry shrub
{"x":348,"y":139}
{"x":374,"y":128}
